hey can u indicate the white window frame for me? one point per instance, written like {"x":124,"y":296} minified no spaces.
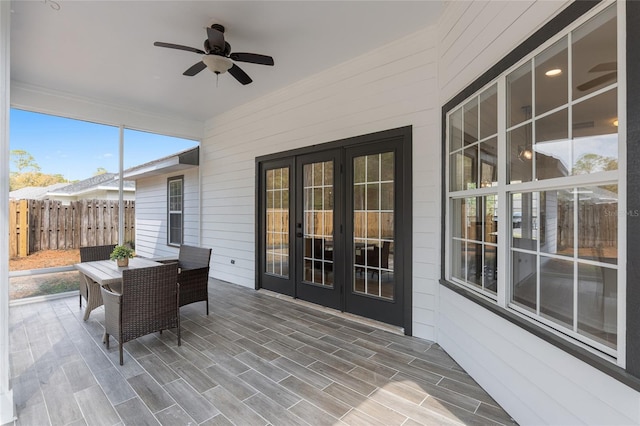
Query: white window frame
{"x":503,"y":190}
{"x":170,"y":213}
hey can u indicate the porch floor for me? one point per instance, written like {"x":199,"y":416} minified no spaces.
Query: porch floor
{"x":255,"y":360}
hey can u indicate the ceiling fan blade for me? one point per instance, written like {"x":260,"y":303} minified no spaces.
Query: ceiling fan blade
{"x":239,"y":75}
{"x":596,"y":81}
{"x":216,"y":38}
{"x":252,"y":58}
{"x":605,"y":66}
{"x":195,"y":69}
{"x":178,"y":46}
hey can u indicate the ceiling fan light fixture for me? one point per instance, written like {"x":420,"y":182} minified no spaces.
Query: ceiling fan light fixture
{"x":217,"y":64}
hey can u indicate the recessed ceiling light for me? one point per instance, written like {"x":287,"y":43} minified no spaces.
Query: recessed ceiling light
{"x":554,"y":72}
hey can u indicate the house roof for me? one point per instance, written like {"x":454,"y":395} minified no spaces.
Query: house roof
{"x":100,"y":54}
{"x":105,"y":181}
{"x":34,"y":192}
{"x":172,"y":163}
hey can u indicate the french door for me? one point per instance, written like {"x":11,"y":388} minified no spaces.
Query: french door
{"x":318,"y":219}
{"x":334,"y":227}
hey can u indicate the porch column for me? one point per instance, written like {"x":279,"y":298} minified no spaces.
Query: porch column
{"x":121,"y":187}
{"x":6,"y":394}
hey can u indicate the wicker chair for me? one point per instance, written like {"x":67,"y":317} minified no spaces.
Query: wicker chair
{"x":148,"y":303}
{"x":91,"y":254}
{"x":193,"y":276}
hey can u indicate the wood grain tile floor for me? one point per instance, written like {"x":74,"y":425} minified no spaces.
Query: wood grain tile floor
{"x":255,"y":360}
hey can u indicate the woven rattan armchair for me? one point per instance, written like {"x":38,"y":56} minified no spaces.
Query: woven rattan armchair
{"x":193,"y":276}
{"x":91,"y":254}
{"x":148,"y":303}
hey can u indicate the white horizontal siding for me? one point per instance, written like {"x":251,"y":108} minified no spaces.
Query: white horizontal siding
{"x":391,"y":87}
{"x":474,"y":36}
{"x":534,"y":381}
{"x":151,"y":214}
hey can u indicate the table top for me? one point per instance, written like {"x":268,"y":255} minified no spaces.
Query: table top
{"x":107,"y":272}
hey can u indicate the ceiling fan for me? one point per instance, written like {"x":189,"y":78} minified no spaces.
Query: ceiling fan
{"x":610,"y":67}
{"x":217,"y":56}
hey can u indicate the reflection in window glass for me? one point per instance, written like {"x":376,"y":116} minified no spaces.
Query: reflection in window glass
{"x":475,"y":230}
{"x":520,"y":167}
{"x":594,"y":61}
{"x":524,"y":220}
{"x":556,"y":222}
{"x":489,"y":112}
{"x":556,"y":290}
{"x":561,"y":118}
{"x":470,"y":167}
{"x":471,"y":122}
{"x":598,"y":303}
{"x":595,"y":134}
{"x":552,"y":77}
{"x":598,"y":223}
{"x":524,"y":278}
{"x":455,"y":130}
{"x":553,"y":147}
{"x":519,"y":95}
{"x":489,"y":163}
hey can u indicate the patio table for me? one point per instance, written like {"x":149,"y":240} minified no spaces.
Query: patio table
{"x":106,"y":273}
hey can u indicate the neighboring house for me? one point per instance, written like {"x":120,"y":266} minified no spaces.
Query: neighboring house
{"x":35,"y":192}
{"x":99,"y":187}
{"x":161,"y":226}
{"x":402,"y":185}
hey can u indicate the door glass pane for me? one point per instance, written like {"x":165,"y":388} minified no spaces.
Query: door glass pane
{"x":318,"y":223}
{"x":373,"y":222}
{"x":277,"y":222}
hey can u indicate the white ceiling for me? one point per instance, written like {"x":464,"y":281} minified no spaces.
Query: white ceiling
{"x":103,"y":50}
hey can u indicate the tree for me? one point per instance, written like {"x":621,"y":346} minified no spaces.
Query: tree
{"x":100,"y":171}
{"x":590,"y":163}
{"x":24,"y":161}
{"x":28,"y":172}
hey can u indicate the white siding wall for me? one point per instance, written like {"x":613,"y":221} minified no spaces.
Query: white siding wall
{"x":534,"y":381}
{"x":151,"y":214}
{"x":391,"y":87}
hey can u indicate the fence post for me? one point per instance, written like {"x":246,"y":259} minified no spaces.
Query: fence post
{"x":23,"y":250}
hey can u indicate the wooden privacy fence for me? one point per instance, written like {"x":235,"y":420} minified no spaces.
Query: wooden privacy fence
{"x":37,"y":225}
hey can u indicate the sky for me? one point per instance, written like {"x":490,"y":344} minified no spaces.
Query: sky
{"x":77,"y":149}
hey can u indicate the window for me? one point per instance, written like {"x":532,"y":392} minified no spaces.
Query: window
{"x":175,"y":210}
{"x":532,"y":187}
